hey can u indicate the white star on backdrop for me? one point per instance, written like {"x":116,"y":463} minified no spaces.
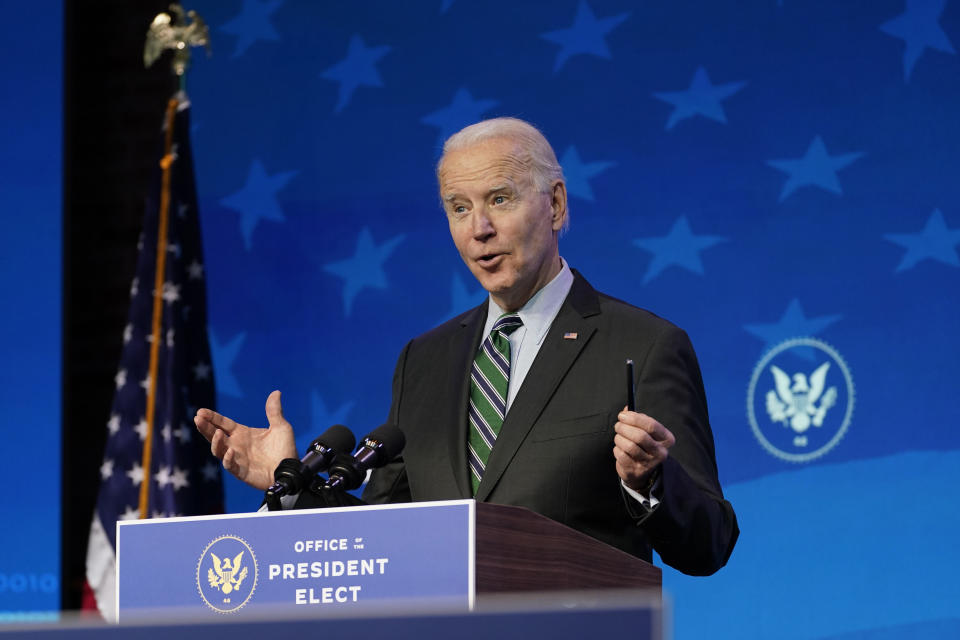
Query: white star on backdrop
{"x":113,"y":424}
{"x":162,"y":476}
{"x":183,"y":434}
{"x":130,"y":513}
{"x":210,"y":472}
{"x":141,"y":429}
{"x":171,"y":292}
{"x":179,"y":479}
{"x":136,"y":474}
{"x":201,"y":371}
{"x":195,"y":269}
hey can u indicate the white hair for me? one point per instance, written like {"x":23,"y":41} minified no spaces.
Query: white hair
{"x":536,"y":152}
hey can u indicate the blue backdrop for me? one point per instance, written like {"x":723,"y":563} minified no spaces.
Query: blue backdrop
{"x":754,"y":171}
{"x":30,"y":261}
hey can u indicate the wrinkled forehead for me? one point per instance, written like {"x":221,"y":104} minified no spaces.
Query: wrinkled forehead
{"x":483,"y":165}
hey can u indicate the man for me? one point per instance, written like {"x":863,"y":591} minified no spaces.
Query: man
{"x":521,"y":400}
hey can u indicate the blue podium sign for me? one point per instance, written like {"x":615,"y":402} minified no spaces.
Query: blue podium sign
{"x":311,"y":559}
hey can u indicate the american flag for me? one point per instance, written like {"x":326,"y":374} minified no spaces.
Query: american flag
{"x":158,"y":466}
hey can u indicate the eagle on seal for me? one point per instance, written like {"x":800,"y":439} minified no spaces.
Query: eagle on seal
{"x":226,"y":575}
{"x":795,"y":404}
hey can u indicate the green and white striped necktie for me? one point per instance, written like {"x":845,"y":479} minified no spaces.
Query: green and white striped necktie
{"x":489,"y":380}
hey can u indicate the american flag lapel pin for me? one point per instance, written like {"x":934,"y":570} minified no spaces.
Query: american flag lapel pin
{"x":570,"y":335}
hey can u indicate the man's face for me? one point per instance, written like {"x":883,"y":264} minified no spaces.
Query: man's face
{"x":504,"y":228}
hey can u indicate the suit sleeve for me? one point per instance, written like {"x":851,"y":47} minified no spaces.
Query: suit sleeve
{"x":389,"y":483}
{"x":694,"y":529}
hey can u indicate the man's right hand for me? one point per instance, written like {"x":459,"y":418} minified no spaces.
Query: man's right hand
{"x":248,"y":453}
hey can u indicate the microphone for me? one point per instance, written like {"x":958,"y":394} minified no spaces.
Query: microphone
{"x":376,"y":450}
{"x":293,"y":475}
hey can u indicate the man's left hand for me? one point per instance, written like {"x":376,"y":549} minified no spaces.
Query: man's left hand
{"x":641,"y":444}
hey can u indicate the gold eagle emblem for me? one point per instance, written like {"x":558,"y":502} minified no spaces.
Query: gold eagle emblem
{"x":226,"y":575}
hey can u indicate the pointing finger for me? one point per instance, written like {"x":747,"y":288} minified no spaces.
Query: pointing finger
{"x":204,"y":427}
{"x":217,"y":420}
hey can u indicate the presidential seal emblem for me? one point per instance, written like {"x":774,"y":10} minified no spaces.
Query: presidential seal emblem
{"x":227,"y":574}
{"x":800,"y":399}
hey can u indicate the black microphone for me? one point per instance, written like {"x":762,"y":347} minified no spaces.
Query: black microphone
{"x":293,"y":475}
{"x":376,"y":450}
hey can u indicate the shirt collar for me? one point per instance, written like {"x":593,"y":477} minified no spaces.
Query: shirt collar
{"x":539,"y":312}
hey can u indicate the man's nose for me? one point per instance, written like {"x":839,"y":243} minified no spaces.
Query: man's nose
{"x":482,"y":224}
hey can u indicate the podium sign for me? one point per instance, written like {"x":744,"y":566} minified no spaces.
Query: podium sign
{"x":301,"y":560}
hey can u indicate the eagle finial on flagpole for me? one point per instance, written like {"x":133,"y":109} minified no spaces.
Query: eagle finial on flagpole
{"x":170,"y":30}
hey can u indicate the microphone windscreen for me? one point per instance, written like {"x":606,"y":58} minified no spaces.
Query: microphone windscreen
{"x":391,"y":439}
{"x":338,"y":437}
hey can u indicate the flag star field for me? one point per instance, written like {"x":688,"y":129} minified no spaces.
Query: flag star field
{"x":778,"y":178}
{"x":175,"y":484}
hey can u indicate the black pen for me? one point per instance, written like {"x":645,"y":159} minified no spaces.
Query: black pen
{"x":631,"y":398}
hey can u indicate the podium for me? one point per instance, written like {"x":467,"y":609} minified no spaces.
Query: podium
{"x":519,"y":550}
{"x":436,"y":554}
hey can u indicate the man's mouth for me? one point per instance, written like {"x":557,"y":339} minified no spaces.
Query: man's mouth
{"x":488,"y":260}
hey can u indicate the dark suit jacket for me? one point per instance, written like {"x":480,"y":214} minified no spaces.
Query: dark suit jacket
{"x":554,"y":454}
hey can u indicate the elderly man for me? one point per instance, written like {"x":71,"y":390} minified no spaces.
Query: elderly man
{"x":521,"y":401}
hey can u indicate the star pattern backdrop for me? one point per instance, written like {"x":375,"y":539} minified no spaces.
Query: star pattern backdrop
{"x":756,"y":172}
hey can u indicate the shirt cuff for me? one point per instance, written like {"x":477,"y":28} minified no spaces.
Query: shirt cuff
{"x":649,"y":502}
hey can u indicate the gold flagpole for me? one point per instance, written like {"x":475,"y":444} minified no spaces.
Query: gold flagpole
{"x":166,"y":163}
{"x":168,"y":30}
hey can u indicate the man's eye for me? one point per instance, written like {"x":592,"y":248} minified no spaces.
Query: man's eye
{"x":459,"y":209}
{"x":499,"y":199}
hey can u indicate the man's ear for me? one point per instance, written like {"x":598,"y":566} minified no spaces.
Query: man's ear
{"x":558,"y":204}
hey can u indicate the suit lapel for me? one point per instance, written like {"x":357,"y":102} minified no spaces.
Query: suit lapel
{"x":557,"y":354}
{"x":463,"y":346}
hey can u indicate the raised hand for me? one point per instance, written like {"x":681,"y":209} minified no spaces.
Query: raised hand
{"x":250,"y":454}
{"x":640,"y":445}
